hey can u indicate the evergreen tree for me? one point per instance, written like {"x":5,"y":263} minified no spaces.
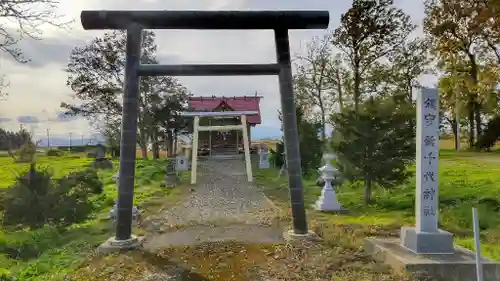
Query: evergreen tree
{"x":376,"y":144}
{"x":311,"y":146}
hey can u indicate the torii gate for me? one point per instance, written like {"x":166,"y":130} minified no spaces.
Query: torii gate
{"x":135,"y":21}
{"x":197,"y":128}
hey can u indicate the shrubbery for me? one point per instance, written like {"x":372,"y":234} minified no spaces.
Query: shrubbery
{"x":37,"y":199}
{"x":55,"y":152}
{"x":490,"y":136}
{"x":311,"y":147}
{"x":26,"y":154}
{"x":5,"y":275}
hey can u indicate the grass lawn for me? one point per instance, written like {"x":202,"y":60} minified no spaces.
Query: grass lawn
{"x":50,"y":253}
{"x":466,"y":180}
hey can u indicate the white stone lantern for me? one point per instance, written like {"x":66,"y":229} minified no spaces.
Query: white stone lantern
{"x":263,"y":157}
{"x":116,"y":177}
{"x":113,"y":214}
{"x":328,"y":202}
{"x":136,"y":214}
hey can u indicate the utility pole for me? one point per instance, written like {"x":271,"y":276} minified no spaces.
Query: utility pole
{"x":48,"y":138}
{"x":70,"y":140}
{"x":82,"y":140}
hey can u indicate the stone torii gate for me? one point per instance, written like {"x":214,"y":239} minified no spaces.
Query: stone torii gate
{"x":135,"y":21}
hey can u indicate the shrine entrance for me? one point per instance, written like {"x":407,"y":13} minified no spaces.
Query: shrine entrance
{"x":197,"y":129}
{"x":216,"y":143}
{"x":224,"y":143}
{"x":134,"y":22}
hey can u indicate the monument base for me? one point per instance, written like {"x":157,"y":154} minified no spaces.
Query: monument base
{"x":327,"y":202}
{"x":440,"y":242}
{"x":102,"y":163}
{"x":290,"y":236}
{"x":112,"y":245}
{"x":459,"y":266}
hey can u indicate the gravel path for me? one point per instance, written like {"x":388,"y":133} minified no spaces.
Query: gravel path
{"x":223,"y":206}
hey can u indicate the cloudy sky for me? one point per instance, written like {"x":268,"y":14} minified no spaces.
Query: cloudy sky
{"x":37,"y":88}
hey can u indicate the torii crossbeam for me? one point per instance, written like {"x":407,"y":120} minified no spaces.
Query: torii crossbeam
{"x":135,"y":21}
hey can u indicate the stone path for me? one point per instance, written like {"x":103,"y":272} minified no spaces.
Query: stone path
{"x":224,"y":206}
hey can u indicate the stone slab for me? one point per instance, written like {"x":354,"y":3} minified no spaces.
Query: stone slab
{"x":440,"y":242}
{"x":246,"y":233}
{"x":459,"y":266}
{"x":330,"y":211}
{"x":112,"y":245}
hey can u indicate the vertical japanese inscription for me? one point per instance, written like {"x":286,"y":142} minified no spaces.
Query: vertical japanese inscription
{"x":427,"y":160}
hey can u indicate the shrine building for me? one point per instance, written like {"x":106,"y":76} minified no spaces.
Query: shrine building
{"x":224,"y":142}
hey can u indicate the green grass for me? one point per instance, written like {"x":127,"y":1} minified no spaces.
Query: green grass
{"x":60,"y":166}
{"x":50,"y":253}
{"x":466,"y":180}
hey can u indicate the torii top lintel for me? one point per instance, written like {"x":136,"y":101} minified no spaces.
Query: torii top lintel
{"x":206,"y":19}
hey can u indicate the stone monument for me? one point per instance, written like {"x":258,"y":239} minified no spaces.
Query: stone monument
{"x":171,"y":177}
{"x":101,"y":162}
{"x":425,"y":248}
{"x":263,"y":157}
{"x":181,"y":163}
{"x":328,"y":202}
{"x":100,"y":151}
{"x":283,"y":168}
{"x":426,"y":238}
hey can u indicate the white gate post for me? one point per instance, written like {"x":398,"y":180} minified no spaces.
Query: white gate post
{"x":246,"y":146}
{"x":194,"y":152}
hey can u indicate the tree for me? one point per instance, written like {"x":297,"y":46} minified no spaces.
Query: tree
{"x":311,"y":80}
{"x":453,"y":95}
{"x":340,"y":80}
{"x":369,"y":31}
{"x":168,"y":120}
{"x":13,"y":140}
{"x":29,"y":16}
{"x":462,"y":33}
{"x":408,"y":62}
{"x":375,"y":143}
{"x":96,"y":73}
{"x":311,"y":146}
{"x":37,"y":199}
{"x":490,"y":23}
{"x":110,"y":129}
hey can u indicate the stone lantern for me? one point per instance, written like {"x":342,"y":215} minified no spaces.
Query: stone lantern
{"x":136,"y":214}
{"x":263,"y":157}
{"x":328,"y":202}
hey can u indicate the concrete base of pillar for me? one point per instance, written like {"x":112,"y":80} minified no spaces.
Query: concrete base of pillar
{"x":112,"y":245}
{"x":291,"y":236}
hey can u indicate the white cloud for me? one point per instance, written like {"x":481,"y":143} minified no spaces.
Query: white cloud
{"x":38,"y":88}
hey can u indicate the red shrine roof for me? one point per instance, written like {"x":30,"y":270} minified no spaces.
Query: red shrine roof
{"x":213,"y":103}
